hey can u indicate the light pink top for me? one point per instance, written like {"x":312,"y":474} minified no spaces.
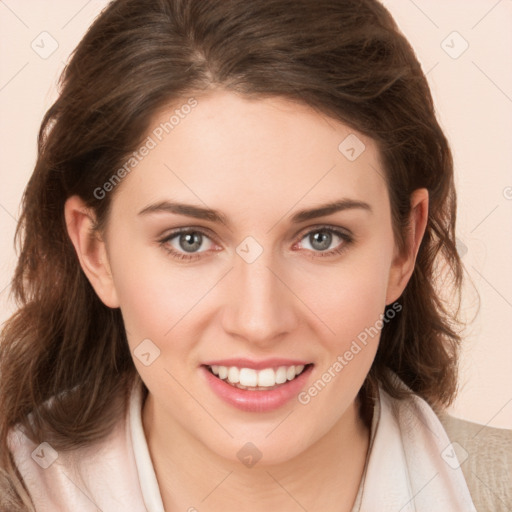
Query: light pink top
{"x":115,"y":474}
{"x":408,"y":467}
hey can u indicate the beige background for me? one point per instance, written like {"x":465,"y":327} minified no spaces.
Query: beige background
{"x":473,"y":93}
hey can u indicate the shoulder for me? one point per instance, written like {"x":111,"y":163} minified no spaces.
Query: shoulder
{"x":100,"y":475}
{"x":485,"y":457}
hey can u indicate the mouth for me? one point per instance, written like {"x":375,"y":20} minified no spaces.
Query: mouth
{"x":257,"y":386}
{"x":251,"y":379}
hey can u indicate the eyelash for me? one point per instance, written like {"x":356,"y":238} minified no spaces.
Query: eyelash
{"x":347,"y":240}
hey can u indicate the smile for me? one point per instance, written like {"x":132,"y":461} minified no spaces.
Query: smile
{"x":256,"y":380}
{"x":257,"y":386}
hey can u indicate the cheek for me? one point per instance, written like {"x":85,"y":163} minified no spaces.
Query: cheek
{"x":153,"y":295}
{"x":351,"y":303}
{"x":351,"y":296}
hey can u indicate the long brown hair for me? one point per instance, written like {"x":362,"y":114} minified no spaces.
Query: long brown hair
{"x":345,"y":58}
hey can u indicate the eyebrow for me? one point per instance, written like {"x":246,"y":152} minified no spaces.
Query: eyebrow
{"x":212,"y":215}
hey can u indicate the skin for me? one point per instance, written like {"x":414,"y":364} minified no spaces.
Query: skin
{"x":258,"y":162}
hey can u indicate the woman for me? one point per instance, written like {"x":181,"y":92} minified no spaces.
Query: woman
{"x":226,"y":278}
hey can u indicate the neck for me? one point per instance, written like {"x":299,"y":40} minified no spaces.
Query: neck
{"x":324,"y":477}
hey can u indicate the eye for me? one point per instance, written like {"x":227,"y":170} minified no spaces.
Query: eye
{"x":322,"y":238}
{"x":185,"y":243}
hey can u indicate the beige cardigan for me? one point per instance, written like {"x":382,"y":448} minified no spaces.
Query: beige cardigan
{"x":485,"y":455}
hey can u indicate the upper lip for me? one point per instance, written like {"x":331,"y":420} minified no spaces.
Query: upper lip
{"x":257,"y":365}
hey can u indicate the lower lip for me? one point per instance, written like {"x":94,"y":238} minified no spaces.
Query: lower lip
{"x":257,"y":401}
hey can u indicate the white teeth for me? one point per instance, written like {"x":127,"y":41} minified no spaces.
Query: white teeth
{"x":234,"y":375}
{"x":267,"y":378}
{"x":250,"y":378}
{"x":281,"y":375}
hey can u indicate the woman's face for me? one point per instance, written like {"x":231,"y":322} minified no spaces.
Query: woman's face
{"x":266,"y":278}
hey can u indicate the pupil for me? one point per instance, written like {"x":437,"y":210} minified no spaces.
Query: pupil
{"x":192,"y":241}
{"x":323,"y":239}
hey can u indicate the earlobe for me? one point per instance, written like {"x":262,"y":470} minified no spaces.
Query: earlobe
{"x":90,"y":249}
{"x":403,"y":264}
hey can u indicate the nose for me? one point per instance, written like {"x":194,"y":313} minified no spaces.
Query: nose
{"x":260,"y":308}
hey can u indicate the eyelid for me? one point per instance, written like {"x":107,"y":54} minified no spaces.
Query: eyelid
{"x":170,"y":234}
{"x":328,"y":227}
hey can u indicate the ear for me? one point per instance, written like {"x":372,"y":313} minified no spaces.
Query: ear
{"x":90,"y":249}
{"x":403,"y":264}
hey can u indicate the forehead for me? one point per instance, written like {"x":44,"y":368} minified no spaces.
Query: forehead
{"x":229,"y":152}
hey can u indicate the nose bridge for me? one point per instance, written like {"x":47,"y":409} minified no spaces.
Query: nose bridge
{"x":260,"y":307}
